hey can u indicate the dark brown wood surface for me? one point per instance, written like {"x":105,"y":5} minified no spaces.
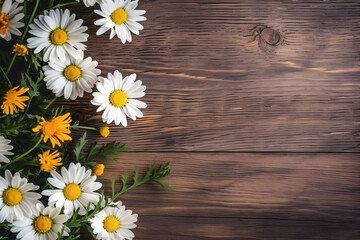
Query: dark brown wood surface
{"x":257,"y":106}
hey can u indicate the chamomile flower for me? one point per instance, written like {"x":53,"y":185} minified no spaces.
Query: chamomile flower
{"x":5,"y":148}
{"x":58,"y":34}
{"x":121,"y":17}
{"x":90,"y":3}
{"x":17,"y":199}
{"x":71,"y":77}
{"x":45,"y":225}
{"x":114,"y":222}
{"x":116,"y":97}
{"x":9,"y":19}
{"x":75,"y":189}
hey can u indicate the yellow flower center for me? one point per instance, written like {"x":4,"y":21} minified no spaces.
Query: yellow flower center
{"x":119,"y":16}
{"x":4,"y":23}
{"x":43,"y":224}
{"x":20,"y":49}
{"x":72,"y":73}
{"x":72,"y":191}
{"x":111,"y":223}
{"x":118,"y":98}
{"x":12,"y":196}
{"x":49,"y":128}
{"x":58,"y":37}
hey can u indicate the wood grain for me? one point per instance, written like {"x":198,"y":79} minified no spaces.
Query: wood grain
{"x":263,"y":138}
{"x":246,"y":196}
{"x":214,"y":86}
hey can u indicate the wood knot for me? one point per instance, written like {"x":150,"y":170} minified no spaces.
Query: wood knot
{"x":79,"y":116}
{"x":270,"y":36}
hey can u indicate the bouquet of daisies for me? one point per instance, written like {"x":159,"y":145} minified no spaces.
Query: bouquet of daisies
{"x":48,"y":182}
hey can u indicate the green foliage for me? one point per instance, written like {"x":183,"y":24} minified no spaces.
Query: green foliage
{"x":96,"y":152}
{"x":106,"y":151}
{"x":27,"y":72}
{"x":78,"y":147}
{"x":153,"y":174}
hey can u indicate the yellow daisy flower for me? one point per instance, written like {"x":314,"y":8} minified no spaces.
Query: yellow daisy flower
{"x":104,"y":131}
{"x":98,"y":169}
{"x":57,"y":129}
{"x":13,"y":100}
{"x":49,"y":162}
{"x":20,"y":49}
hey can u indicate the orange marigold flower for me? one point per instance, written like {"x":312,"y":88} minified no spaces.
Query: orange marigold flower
{"x":104,"y":131}
{"x":49,"y":162}
{"x":13,"y":100}
{"x":20,"y":49}
{"x":57,"y":129}
{"x":98,"y":169}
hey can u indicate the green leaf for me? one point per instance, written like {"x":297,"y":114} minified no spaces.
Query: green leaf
{"x":79,"y":156}
{"x":106,"y":151}
{"x":153,"y":174}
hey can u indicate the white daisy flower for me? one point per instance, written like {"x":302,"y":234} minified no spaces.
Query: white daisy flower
{"x":58,"y":34}
{"x":71,"y":77}
{"x":121,"y":17}
{"x":90,"y":3}
{"x":5,"y":148}
{"x":75,"y":190}
{"x":117,"y":97}
{"x":17,"y":199}
{"x":45,"y":225}
{"x":114,"y":222}
{"x":9,"y":19}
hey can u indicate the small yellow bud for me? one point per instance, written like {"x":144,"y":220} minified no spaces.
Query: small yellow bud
{"x":104,"y":131}
{"x":20,"y":49}
{"x":99,"y":169}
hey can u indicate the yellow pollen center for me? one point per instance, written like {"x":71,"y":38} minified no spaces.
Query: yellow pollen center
{"x":58,"y":37}
{"x":72,"y":72}
{"x":49,"y":128}
{"x":43,"y":224}
{"x":118,"y":98}
{"x":12,"y":196}
{"x":111,"y":223}
{"x":4,"y":23}
{"x":72,"y":191}
{"x":119,"y":16}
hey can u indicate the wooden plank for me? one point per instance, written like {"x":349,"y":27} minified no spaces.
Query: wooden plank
{"x":246,"y":196}
{"x":213,"y":85}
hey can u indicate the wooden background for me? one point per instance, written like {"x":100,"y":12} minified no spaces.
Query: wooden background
{"x":263,"y":138}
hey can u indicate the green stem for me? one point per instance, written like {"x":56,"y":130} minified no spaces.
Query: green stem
{"x":83,"y":127}
{"x":10,"y":65}
{"x":2,"y":70}
{"x":88,"y":17}
{"x":22,"y":155}
{"x":123,"y":190}
{"x":64,"y":4}
{"x":23,"y":36}
{"x":30,"y":20}
{"x":50,"y":103}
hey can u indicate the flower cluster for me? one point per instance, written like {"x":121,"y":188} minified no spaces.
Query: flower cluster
{"x":49,"y":186}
